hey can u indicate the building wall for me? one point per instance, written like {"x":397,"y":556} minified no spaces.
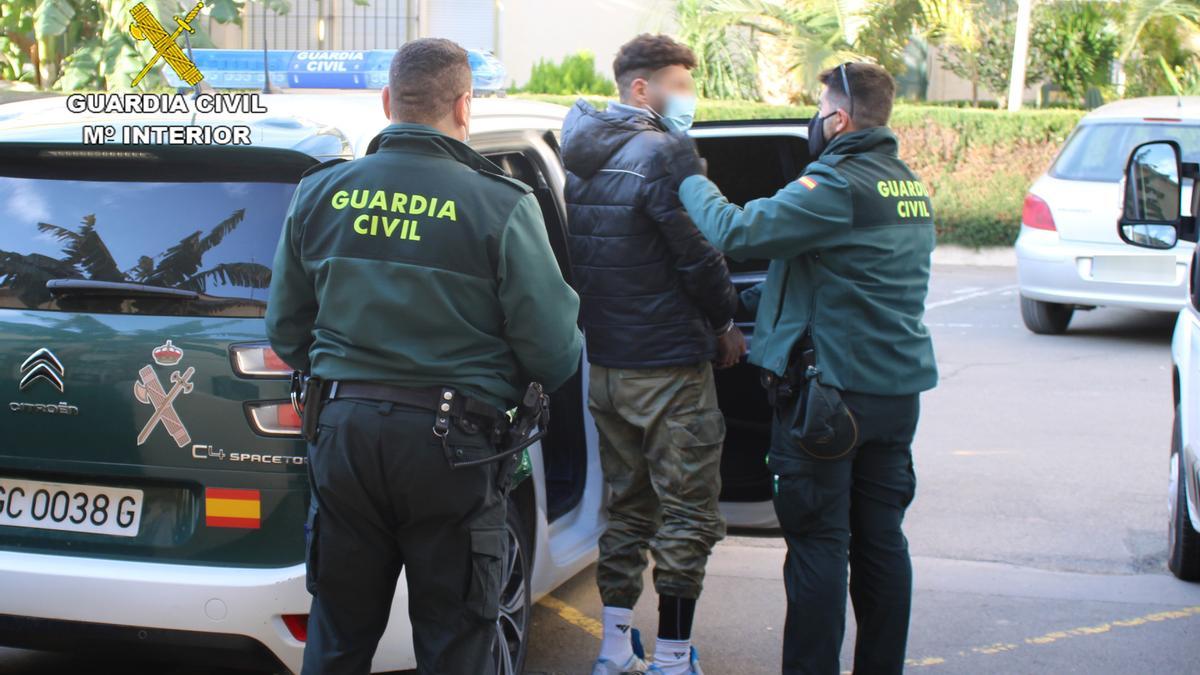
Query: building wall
{"x":944,"y":85}
{"x":551,"y":29}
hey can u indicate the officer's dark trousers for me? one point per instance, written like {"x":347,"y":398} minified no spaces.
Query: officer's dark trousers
{"x":385,"y":498}
{"x":849,"y":511}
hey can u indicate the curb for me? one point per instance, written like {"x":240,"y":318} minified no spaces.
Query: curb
{"x":993,"y":256}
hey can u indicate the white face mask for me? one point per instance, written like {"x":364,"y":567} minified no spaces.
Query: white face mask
{"x":678,"y":112}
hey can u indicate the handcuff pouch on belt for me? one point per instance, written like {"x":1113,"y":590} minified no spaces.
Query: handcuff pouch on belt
{"x":815,"y":416}
{"x":307,"y":400}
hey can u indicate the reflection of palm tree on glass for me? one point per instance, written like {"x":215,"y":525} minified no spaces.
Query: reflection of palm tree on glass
{"x":86,"y":256}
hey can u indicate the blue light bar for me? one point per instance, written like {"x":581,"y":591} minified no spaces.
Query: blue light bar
{"x":317,"y":69}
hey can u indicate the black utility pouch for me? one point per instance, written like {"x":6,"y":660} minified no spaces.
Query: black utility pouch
{"x":827,"y":428}
{"x":815,"y":417}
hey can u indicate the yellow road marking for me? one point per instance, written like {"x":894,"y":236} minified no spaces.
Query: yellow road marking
{"x":573,"y":616}
{"x":1058,"y":635}
{"x":596,"y":629}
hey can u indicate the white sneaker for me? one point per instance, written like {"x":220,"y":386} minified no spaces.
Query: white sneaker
{"x":634,"y":666}
{"x":693,"y":665}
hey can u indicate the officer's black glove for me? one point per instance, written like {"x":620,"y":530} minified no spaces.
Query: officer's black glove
{"x":681,"y":158}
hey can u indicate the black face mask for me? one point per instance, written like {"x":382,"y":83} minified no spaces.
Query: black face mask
{"x":816,"y":134}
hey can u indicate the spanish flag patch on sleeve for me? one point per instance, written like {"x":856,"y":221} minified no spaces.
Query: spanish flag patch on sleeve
{"x":225,"y":507}
{"x":807,"y":182}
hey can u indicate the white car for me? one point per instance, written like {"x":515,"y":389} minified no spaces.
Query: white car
{"x":1069,"y":256}
{"x":200,"y":593}
{"x":1154,"y":219}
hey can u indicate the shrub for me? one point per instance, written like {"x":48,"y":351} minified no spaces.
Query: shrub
{"x":977,"y":163}
{"x":575,"y":75}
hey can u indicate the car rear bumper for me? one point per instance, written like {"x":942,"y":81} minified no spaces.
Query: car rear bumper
{"x":1066,"y":272}
{"x":233,"y":609}
{"x":215,"y":650}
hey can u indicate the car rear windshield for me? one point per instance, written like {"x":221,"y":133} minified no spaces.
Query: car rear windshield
{"x":1098,"y":152}
{"x":214,"y":239}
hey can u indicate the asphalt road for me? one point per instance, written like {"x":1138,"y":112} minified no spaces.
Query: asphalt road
{"x":1039,"y":527}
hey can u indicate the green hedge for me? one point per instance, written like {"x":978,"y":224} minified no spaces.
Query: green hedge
{"x":977,"y":163}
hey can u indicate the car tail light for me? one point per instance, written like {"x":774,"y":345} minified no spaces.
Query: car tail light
{"x":1036,"y":213}
{"x":297,"y":625}
{"x":258,"y":360}
{"x":274,"y":418}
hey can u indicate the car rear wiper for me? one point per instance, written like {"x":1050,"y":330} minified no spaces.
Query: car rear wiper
{"x":61,"y":287}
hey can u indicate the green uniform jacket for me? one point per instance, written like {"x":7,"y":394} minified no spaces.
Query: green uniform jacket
{"x":849,"y":244}
{"x":421,"y":265}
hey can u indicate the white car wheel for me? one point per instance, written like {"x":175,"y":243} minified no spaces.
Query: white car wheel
{"x":1183,"y":542}
{"x":512,"y":627}
{"x":1046,"y":318}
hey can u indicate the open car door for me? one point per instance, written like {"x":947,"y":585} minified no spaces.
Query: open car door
{"x":749,"y":160}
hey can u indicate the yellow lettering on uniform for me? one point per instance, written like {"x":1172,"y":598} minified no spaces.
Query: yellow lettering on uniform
{"x":412,"y":235}
{"x":374,"y":225}
{"x":881,"y":186}
{"x":904,"y":189}
{"x":358,"y":228}
{"x":390,"y":227}
{"x":399,"y":199}
{"x":413,"y":209}
{"x":925,"y":209}
{"x":358,"y":199}
{"x":448,"y":211}
{"x":894,"y":188}
{"x":433,"y":205}
{"x":902,"y":209}
{"x":379,"y":201}
{"x":339,"y":199}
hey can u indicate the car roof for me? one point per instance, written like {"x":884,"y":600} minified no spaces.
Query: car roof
{"x":1185,"y":108}
{"x":291,"y":119}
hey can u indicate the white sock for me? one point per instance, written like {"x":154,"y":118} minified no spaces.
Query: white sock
{"x":673,"y":657}
{"x":617,"y":645}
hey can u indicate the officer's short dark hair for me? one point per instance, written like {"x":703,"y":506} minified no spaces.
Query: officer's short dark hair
{"x":871,"y":87}
{"x":426,"y":78}
{"x":647,"y":53}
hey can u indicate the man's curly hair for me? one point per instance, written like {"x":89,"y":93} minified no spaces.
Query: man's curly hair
{"x":647,"y":53}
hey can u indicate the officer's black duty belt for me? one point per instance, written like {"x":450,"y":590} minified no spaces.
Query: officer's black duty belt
{"x":429,"y":398}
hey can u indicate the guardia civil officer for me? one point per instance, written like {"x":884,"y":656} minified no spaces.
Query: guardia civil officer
{"x":845,"y":354}
{"x":414,"y":277}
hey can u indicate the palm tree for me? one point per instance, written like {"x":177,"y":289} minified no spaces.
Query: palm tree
{"x":810,"y":34}
{"x":736,"y":40}
{"x":726,"y":66}
{"x":86,"y":256}
{"x":1141,"y":13}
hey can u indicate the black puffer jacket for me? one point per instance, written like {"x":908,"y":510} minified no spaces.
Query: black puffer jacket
{"x":652,"y":289}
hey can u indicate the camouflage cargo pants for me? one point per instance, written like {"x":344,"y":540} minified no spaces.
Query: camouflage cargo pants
{"x":660,"y":449}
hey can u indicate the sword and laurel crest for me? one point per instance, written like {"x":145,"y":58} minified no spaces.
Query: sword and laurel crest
{"x":146,"y":27}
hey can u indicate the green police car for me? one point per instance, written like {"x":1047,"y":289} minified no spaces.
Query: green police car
{"x":153,"y":485}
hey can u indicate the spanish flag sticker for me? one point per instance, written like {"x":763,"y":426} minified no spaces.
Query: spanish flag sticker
{"x":225,"y":507}
{"x":807,"y":182}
